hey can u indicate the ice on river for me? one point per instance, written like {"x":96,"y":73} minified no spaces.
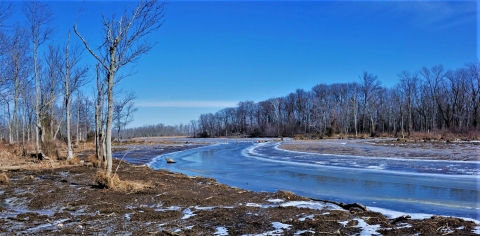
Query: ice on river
{"x":414,"y":186}
{"x":270,"y":151}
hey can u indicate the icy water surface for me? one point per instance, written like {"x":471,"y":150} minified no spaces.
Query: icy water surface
{"x":410,"y":186}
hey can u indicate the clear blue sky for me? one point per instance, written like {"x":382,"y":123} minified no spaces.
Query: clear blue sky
{"x":213,"y":54}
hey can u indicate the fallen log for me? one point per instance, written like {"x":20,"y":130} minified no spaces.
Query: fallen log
{"x":348,"y":207}
{"x":13,"y":168}
{"x":400,"y":219}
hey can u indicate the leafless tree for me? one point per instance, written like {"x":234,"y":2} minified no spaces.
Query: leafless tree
{"x":99,"y":120}
{"x":123,"y":43}
{"x":370,"y":89}
{"x":39,"y":20}
{"x":408,"y":86}
{"x":123,"y":110}
{"x":17,"y":72}
{"x":74,"y":78}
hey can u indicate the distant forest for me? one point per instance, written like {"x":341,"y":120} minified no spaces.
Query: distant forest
{"x":427,"y":101}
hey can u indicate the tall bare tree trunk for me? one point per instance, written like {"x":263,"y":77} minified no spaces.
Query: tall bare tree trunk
{"x":67,"y":102}
{"x":99,"y":135}
{"x":108,"y":142}
{"x":126,"y":37}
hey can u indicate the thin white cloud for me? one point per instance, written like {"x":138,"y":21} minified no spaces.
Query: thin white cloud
{"x":219,"y":104}
{"x":444,"y":14}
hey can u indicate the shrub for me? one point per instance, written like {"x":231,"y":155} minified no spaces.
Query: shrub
{"x":73,"y":161}
{"x":112,"y":181}
{"x":95,"y":161}
{"x":105,"y":180}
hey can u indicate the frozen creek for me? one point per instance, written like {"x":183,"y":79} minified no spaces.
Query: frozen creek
{"x":422,"y":187}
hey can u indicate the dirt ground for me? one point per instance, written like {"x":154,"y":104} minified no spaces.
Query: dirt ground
{"x":52,"y":198}
{"x":408,"y":149}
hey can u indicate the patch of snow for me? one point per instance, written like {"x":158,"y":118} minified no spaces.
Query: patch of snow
{"x":476,"y":230}
{"x":344,"y":223}
{"x":414,"y":216}
{"x":187,"y":213}
{"x":275,"y":200}
{"x":279,"y":226}
{"x":404,"y":225}
{"x":204,"y":208}
{"x":394,"y":214}
{"x":306,"y":217}
{"x":221,"y":231}
{"x":300,"y":232}
{"x":401,"y":226}
{"x":253,"y":205}
{"x":174,"y":208}
{"x":367,"y":229}
{"x":312,"y":205}
{"x":127,"y":216}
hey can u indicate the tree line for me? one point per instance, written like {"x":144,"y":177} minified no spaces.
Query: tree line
{"x":427,"y":100}
{"x":41,"y":76}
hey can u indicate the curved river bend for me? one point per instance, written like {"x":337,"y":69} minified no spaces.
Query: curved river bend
{"x":412,"y":186}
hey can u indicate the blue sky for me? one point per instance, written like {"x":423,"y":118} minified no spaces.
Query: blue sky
{"x":213,"y":54}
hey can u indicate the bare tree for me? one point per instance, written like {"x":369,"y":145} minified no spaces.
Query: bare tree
{"x":408,"y":86}
{"x":18,"y":65}
{"x":74,"y":78}
{"x":99,"y":121}
{"x":50,"y":87}
{"x":123,"y":112}
{"x":123,"y":44}
{"x":39,"y":18}
{"x":370,"y":90}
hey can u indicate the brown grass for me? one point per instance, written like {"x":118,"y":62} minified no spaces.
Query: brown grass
{"x":112,"y":181}
{"x":73,"y":161}
{"x":95,"y":161}
{"x":4,"y":178}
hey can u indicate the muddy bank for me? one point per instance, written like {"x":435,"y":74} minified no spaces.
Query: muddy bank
{"x":66,"y":200}
{"x":431,"y":150}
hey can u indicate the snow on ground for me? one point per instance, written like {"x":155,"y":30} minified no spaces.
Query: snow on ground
{"x":312,"y":205}
{"x":366,"y":228}
{"x":414,"y":216}
{"x":300,"y":232}
{"x":476,"y":230}
{"x":306,"y":217}
{"x":187,"y":213}
{"x":279,"y":227}
{"x":221,"y":231}
{"x":275,"y":200}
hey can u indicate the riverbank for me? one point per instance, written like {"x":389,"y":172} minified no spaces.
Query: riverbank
{"x":56,"y":198}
